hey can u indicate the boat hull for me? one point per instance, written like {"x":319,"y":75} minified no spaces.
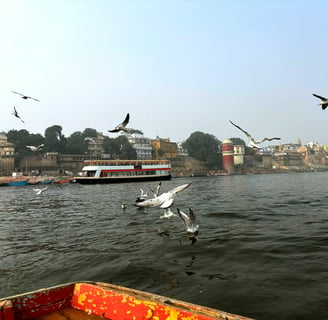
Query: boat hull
{"x":92,"y":180}
{"x":17,"y":183}
{"x":84,"y":300}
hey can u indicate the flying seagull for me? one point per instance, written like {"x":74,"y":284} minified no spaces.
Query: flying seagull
{"x":23,"y":96}
{"x":15,"y":113}
{"x":324,"y":101}
{"x":251,"y":141}
{"x":188,"y":221}
{"x":35,"y":149}
{"x":39,"y":191}
{"x":162,"y":200}
{"x":121,"y":126}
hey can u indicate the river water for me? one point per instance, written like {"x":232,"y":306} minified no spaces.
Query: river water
{"x":261,"y":250}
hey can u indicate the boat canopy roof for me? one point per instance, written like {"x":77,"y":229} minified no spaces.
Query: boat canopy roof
{"x":124,"y":162}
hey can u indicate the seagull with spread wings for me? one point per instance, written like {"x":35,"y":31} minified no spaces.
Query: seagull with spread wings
{"x":251,"y":141}
{"x":188,"y":221}
{"x":164,"y":199}
{"x":35,"y":149}
{"x":15,"y":113}
{"x":324,"y":101}
{"x":121,"y":126}
{"x":23,"y":96}
{"x":40,"y":190}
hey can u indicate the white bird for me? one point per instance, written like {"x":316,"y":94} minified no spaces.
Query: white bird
{"x":251,"y":141}
{"x":188,"y":221}
{"x":167,"y":211}
{"x":121,"y":126}
{"x":23,"y":96}
{"x":324,"y":101}
{"x":143,"y":196}
{"x":156,"y":192}
{"x":15,"y":113}
{"x":35,"y":149}
{"x":163,"y":199}
{"x":39,"y":191}
{"x":123,"y":206}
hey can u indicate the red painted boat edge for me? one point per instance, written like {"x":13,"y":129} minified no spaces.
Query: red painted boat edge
{"x":105,"y":300}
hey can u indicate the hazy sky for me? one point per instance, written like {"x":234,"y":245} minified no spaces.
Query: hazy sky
{"x":175,"y":66}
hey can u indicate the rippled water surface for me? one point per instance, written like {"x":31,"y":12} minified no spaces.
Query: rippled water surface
{"x":261,"y":251}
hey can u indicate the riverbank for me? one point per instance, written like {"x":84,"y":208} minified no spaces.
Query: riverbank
{"x":34,"y":180}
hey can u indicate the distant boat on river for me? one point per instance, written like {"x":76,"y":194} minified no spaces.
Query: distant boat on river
{"x":113,"y":171}
{"x":16,"y":183}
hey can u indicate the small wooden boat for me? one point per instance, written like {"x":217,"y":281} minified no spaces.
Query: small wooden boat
{"x":33,"y":181}
{"x":97,"y":300}
{"x":46,"y":181}
{"x":15,"y":183}
{"x":63,"y":179}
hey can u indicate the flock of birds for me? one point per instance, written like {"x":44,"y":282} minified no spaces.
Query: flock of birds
{"x":166,"y":199}
{"x":165,"y":202}
{"x":25,"y":97}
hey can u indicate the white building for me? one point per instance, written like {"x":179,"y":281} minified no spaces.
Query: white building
{"x":238,"y":154}
{"x":141,"y":144}
{"x":181,"y":150}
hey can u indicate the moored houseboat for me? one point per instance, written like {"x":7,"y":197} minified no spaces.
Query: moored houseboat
{"x":113,"y":171}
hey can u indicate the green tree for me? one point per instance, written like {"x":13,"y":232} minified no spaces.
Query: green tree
{"x":21,"y":139}
{"x":54,"y":140}
{"x":119,"y":148}
{"x":204,"y":147}
{"x":89,"y":133}
{"x":75,"y":144}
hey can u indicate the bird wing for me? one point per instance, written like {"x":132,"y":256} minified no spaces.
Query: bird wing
{"x":157,"y":189}
{"x":18,"y":93}
{"x":320,"y":97}
{"x":34,"y":99}
{"x":192,"y":215}
{"x":167,"y":204}
{"x":126,"y":120}
{"x":17,"y":116}
{"x":183,"y":217}
{"x":150,"y":203}
{"x":247,"y":134}
{"x":40,"y":146}
{"x":268,"y":139}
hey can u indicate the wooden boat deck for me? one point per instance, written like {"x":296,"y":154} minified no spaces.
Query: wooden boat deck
{"x":69,"y":314}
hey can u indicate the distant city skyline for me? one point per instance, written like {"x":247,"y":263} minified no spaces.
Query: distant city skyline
{"x":176,"y":66}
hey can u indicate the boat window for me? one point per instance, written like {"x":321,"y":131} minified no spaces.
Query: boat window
{"x":91,"y":173}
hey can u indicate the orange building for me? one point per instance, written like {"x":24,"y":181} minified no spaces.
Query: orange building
{"x":164,"y":148}
{"x":7,"y":152}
